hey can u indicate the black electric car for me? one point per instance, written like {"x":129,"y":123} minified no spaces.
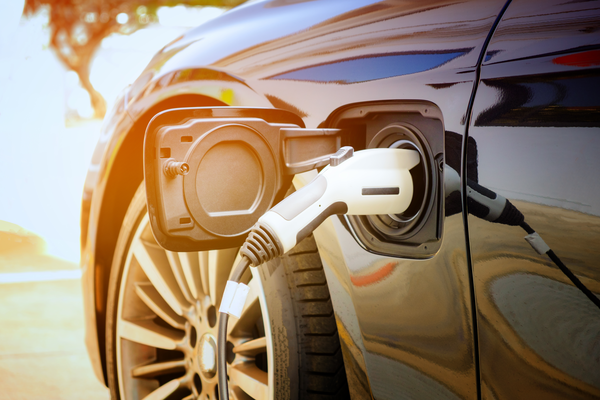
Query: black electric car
{"x":444,"y":301}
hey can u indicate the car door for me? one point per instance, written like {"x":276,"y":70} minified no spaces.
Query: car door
{"x":535,"y":131}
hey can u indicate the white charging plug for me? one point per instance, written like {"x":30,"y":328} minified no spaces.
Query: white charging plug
{"x":368,"y":182}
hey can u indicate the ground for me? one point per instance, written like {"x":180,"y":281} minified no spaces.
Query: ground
{"x":42,"y":353}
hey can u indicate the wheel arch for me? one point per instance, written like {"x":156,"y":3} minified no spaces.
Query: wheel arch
{"x":123,"y":178}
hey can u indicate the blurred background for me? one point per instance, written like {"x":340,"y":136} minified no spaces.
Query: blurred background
{"x":62,"y":64}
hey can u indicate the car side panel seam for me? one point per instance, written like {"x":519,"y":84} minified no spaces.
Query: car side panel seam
{"x":463,"y":183}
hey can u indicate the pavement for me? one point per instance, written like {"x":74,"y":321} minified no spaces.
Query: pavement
{"x":42,"y":351}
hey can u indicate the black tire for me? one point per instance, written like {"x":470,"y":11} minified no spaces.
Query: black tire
{"x":321,"y":373}
{"x":306,"y":356}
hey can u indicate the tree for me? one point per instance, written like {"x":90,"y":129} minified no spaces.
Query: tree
{"x":77,"y":28}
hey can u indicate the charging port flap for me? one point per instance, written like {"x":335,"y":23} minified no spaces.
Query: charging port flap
{"x":211,"y":173}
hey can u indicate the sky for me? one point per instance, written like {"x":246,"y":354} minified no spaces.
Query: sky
{"x":44,"y":151}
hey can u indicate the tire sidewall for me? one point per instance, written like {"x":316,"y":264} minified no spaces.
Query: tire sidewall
{"x":284,"y":335}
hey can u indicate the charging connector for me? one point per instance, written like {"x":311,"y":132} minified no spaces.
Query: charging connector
{"x":375,"y":181}
{"x":368,"y":182}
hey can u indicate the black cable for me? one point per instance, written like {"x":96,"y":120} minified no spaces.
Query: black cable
{"x":261,"y":245}
{"x":236,"y":275}
{"x":527,"y":228}
{"x":565,"y":270}
{"x":573,"y":278}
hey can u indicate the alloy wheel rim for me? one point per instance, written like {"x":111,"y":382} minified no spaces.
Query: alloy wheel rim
{"x":167,"y":326}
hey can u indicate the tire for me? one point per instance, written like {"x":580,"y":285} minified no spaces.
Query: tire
{"x":161,"y":325}
{"x":321,"y":373}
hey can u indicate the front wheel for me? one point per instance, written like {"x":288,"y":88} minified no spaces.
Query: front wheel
{"x":162,"y":323}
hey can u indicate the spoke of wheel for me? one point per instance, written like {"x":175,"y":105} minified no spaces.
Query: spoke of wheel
{"x":239,"y":394}
{"x":156,"y":369}
{"x":155,"y":264}
{"x":250,"y":312}
{"x":156,"y":303}
{"x":179,"y":275}
{"x":164,"y":391}
{"x":203,"y":261}
{"x":252,"y":347}
{"x":250,"y":379}
{"x":220,"y":263}
{"x":191,"y":269}
{"x":148,"y":333}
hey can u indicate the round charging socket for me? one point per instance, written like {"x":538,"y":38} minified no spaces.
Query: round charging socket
{"x":404,"y":225}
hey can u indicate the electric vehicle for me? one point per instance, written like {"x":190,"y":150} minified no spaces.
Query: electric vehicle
{"x":435,"y":302}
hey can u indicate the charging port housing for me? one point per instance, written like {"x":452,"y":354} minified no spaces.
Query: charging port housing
{"x":418,"y":126}
{"x":210,"y":173}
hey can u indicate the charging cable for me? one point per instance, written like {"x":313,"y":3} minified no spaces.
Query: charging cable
{"x":368,"y":182}
{"x":486,"y":204}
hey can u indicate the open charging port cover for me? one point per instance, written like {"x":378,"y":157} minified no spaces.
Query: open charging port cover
{"x":210,"y":173}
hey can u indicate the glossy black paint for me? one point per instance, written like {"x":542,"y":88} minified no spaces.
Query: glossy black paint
{"x":536,"y":119}
{"x":548,"y":100}
{"x":431,"y":331}
{"x":406,"y":325}
{"x":371,"y":67}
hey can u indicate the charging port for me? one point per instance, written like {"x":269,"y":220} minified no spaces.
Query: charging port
{"x":415,"y":233}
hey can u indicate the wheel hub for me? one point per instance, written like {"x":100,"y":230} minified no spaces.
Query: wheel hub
{"x":206,"y":355}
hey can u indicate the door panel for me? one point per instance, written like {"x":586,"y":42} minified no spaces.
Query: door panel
{"x":536,"y":120}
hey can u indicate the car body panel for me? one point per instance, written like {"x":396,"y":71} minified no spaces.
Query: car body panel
{"x":537,"y":132}
{"x":234,"y":62}
{"x":399,"y":340}
{"x":408,"y":321}
{"x":408,"y":341}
